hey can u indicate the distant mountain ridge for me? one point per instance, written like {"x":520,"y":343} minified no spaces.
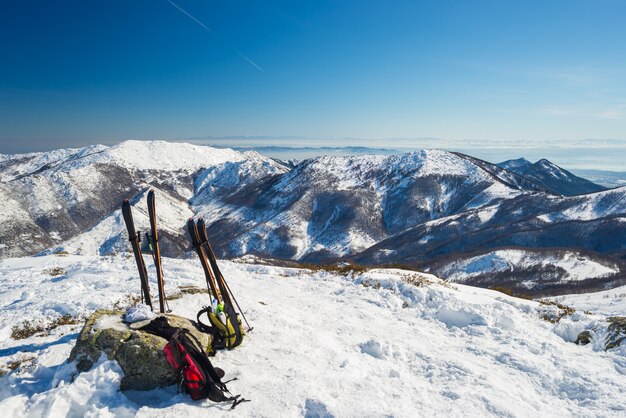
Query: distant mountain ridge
{"x":47,"y":199}
{"x":426,"y":208}
{"x":552,"y":177}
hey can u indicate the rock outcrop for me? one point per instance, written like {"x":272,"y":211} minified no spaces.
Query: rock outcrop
{"x":139,"y":354}
{"x":616,"y":332}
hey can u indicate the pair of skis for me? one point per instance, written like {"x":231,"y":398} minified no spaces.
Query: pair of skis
{"x":216,"y":284}
{"x":153,"y":239}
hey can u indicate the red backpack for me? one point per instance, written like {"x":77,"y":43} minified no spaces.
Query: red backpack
{"x":198,"y":376}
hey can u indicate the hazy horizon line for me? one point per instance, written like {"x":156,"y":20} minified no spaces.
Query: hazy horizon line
{"x":319,"y":141}
{"x":581,"y":154}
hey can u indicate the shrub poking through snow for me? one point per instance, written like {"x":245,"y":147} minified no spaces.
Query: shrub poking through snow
{"x":55,"y":271}
{"x":553,"y":311}
{"x":370,"y":283}
{"x":506,"y":290}
{"x":25,"y":330}
{"x":411,"y":278}
{"x":128,"y":300}
{"x":192,"y":290}
{"x":14,"y":364}
{"x":510,"y":292}
{"x":28,"y":328}
{"x":418,"y":280}
{"x":187,"y":290}
{"x":341,"y":268}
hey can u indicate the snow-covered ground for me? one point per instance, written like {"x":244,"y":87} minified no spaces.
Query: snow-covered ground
{"x":380,"y":343}
{"x":608,"y":302}
{"x":577,"y":267}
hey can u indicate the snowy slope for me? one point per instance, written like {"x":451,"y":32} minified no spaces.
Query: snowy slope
{"x":330,"y":208}
{"x":14,"y":166}
{"x":607,"y":203}
{"x":382,"y":343}
{"x":136,"y":155}
{"x":335,"y":206}
{"x":577,"y":268}
{"x":608,"y":302}
{"x":110,"y":235}
{"x":50,"y":198}
{"x":551,"y":177}
{"x":539,"y":224}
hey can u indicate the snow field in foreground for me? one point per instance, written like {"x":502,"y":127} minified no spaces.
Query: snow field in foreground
{"x":322,"y":345}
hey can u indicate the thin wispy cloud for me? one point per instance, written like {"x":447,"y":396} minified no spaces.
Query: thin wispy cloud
{"x":614,"y":113}
{"x":570,"y":75}
{"x":241,"y":54}
{"x":580,"y":75}
{"x":189,"y":15}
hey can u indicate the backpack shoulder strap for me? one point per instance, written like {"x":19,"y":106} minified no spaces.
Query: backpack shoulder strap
{"x":231,"y":314}
{"x":174,"y":344}
{"x":209,"y":329}
{"x":194,"y":348}
{"x":217,"y":341}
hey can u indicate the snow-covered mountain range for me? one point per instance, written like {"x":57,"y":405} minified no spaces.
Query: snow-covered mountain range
{"x":432,"y":209}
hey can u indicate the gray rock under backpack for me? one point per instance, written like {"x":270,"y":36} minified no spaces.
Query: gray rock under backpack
{"x":139,"y":353}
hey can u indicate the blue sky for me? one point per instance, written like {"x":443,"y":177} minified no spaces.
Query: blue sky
{"x":81,"y":72}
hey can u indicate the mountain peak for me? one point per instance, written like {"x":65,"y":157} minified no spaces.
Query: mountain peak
{"x":551,"y":176}
{"x":164,"y":155}
{"x":514,"y":163}
{"x":544,"y":162}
